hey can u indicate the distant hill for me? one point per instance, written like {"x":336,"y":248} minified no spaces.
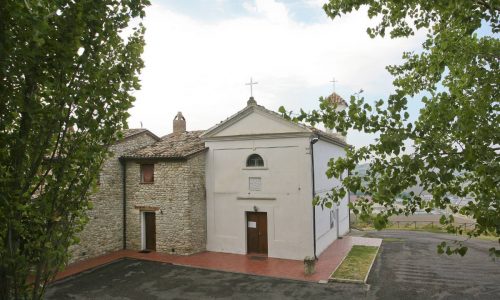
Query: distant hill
{"x":363,"y":168}
{"x":417,"y":189}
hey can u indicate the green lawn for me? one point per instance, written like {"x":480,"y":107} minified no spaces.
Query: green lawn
{"x":357,"y":263}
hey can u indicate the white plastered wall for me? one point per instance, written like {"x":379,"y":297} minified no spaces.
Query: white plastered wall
{"x":286,"y":187}
{"x":338,"y":215}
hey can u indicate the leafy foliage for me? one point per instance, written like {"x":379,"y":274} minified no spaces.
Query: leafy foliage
{"x":66,"y":72}
{"x":456,"y":136}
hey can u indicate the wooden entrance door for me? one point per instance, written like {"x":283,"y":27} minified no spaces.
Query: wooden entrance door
{"x":257,"y":232}
{"x":150,"y":230}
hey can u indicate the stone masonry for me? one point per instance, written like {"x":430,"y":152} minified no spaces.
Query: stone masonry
{"x":177,"y":197}
{"x":104,"y":231}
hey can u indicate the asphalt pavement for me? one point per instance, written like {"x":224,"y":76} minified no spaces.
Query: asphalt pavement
{"x":407,"y":267}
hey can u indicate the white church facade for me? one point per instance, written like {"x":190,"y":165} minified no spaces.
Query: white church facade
{"x":262,"y":172}
{"x":244,"y":186}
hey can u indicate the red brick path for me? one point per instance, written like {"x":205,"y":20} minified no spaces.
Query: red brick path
{"x":267,"y":266}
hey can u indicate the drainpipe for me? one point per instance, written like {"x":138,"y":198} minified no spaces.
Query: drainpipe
{"x":313,"y":141}
{"x":348,"y":202}
{"x":124,"y":200}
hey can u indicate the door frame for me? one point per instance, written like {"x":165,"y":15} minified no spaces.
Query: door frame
{"x":246,"y":231}
{"x":143,"y":230}
{"x":143,"y":227}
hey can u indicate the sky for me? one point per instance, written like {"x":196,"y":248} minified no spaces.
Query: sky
{"x":199,"y":54}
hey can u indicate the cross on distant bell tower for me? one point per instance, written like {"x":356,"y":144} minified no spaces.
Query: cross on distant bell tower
{"x":333,"y":83}
{"x":251,"y":83}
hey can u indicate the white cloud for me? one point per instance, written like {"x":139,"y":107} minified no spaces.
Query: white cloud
{"x":273,"y":11}
{"x":315,"y":3}
{"x":200,"y":68}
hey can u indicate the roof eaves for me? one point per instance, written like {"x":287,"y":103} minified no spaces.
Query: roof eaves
{"x":330,"y":138}
{"x":262,"y":108}
{"x":196,"y":152}
{"x":150,"y":158}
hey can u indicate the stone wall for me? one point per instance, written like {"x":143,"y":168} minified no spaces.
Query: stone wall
{"x":198,"y":203}
{"x":177,"y":197}
{"x":104,"y":231}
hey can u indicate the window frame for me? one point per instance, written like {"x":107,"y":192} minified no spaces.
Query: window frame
{"x":142,"y":169}
{"x":247,"y":166}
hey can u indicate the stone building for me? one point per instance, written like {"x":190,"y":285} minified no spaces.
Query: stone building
{"x":104,"y":231}
{"x":243,"y":186}
{"x":166,"y":211}
{"x":151,"y":196}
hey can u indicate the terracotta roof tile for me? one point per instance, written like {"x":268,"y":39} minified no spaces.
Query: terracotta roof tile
{"x":174,"y":145}
{"x":335,"y":98}
{"x":132,"y":131}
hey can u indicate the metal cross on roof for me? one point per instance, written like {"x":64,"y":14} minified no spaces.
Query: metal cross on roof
{"x":251,"y":83}
{"x":333,"y":82}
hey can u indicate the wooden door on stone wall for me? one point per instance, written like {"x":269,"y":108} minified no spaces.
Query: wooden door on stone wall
{"x":257,"y":232}
{"x":150,"y":230}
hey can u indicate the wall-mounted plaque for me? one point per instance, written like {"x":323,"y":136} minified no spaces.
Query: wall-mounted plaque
{"x":254,"y":183}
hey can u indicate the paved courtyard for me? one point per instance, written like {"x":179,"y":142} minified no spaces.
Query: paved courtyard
{"x":135,"y":279}
{"x":407,"y":267}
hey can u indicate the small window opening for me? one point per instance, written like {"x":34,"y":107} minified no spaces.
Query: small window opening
{"x":255,"y":160}
{"x":147,"y":173}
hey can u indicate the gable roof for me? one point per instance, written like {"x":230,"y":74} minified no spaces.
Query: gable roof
{"x":331,"y":137}
{"x":132,"y":132}
{"x":172,"y":146}
{"x":253,"y":107}
{"x":249,"y":109}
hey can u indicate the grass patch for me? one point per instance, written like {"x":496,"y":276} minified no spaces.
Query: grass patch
{"x":357,"y":263}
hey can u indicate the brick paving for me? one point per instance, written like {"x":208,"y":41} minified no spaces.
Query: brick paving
{"x":247,"y":264}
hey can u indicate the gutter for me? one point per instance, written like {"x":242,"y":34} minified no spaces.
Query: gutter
{"x":312,"y":142}
{"x":123,"y":163}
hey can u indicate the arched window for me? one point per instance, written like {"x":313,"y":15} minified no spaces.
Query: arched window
{"x":255,"y":160}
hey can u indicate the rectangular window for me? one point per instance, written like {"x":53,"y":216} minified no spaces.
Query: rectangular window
{"x":147,"y":173}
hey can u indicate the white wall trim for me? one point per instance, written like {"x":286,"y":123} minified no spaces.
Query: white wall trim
{"x":258,"y":136}
{"x":143,"y":231}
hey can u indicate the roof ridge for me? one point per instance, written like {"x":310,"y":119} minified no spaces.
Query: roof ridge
{"x":173,"y":145}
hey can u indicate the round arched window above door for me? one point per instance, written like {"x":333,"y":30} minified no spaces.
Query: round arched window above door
{"x":255,"y":160}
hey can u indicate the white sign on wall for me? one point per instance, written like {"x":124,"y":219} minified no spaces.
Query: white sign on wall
{"x":254,"y":183}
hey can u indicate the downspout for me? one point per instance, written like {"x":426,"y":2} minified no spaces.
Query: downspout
{"x":124,"y":200}
{"x":313,"y":141}
{"x":349,"y":202}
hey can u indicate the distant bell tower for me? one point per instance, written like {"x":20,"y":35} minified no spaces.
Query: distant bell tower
{"x":335,"y":99}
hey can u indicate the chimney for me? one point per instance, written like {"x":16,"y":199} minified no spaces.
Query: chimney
{"x":179,"y":123}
